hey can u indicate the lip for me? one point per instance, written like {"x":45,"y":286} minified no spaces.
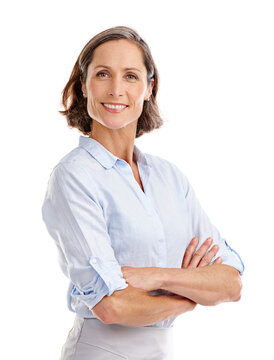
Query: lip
{"x":111,"y":103}
{"x":114,"y":110}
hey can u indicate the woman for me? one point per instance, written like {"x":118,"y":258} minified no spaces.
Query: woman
{"x":127,"y":224}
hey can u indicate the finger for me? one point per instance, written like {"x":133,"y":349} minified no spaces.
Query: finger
{"x":125,"y":267}
{"x":189,"y":252}
{"x":219,"y":260}
{"x":208,"y":256}
{"x":200,"y":253}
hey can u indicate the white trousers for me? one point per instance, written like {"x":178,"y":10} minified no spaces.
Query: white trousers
{"x":90,"y":339}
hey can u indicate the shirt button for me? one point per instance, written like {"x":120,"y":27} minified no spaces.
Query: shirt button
{"x":94,"y":261}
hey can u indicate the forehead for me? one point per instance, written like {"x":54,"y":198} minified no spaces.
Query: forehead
{"x":122,"y":52}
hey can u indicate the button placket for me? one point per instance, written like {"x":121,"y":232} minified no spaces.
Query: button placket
{"x":126,"y":171}
{"x":162,"y":260}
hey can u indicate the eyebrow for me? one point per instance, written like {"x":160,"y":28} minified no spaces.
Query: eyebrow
{"x":108,"y":67}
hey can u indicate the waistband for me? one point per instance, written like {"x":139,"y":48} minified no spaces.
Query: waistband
{"x":133,"y":342}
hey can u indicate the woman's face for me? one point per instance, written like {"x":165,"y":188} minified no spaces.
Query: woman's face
{"x":116,"y":75}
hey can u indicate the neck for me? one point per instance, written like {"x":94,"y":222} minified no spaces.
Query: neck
{"x":120,"y":142}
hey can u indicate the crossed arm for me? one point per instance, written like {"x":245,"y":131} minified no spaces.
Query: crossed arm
{"x":205,"y":285}
{"x":195,"y":283}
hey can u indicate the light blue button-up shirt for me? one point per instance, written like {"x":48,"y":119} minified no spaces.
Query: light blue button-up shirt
{"x":100,"y":220}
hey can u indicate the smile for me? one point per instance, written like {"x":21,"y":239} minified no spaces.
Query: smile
{"x":114,"y":108}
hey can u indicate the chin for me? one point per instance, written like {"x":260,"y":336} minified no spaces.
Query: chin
{"x":111,"y":125}
{"x":115,"y":125}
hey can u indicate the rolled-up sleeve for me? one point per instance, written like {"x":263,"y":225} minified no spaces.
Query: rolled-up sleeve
{"x":75,"y":220}
{"x":201,"y":226}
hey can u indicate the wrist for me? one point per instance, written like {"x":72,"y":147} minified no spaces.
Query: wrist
{"x":170,"y":277}
{"x":163,"y":278}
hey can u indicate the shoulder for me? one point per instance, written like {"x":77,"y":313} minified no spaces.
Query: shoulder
{"x":77,"y":157}
{"x":74,"y":171}
{"x":78,"y":161}
{"x":168,"y":169}
{"x":159,"y":162}
{"x":162,"y":164}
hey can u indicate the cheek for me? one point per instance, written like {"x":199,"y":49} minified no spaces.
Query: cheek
{"x":138,"y":96}
{"x":95,"y":91}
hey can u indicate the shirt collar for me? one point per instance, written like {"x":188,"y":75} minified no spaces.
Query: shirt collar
{"x":105,"y":157}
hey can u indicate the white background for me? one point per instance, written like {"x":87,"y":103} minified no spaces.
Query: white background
{"x":215,"y":60}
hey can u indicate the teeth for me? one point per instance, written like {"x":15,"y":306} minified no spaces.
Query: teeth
{"x":115,"y":106}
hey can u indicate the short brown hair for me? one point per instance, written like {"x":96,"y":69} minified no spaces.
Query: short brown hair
{"x":75,"y":104}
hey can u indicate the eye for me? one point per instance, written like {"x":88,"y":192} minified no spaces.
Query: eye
{"x":133,"y":77}
{"x":101,"y":73}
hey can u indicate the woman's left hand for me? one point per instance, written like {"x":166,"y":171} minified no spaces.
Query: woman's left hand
{"x":151,"y":278}
{"x":146,"y":278}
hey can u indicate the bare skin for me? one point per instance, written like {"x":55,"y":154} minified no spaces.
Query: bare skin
{"x":205,"y":285}
{"x":109,"y":81}
{"x":135,"y":307}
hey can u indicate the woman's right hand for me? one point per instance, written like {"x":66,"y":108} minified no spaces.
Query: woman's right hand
{"x":201,"y":257}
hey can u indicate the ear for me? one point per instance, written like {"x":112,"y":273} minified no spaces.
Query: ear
{"x":149,"y":89}
{"x":83,"y":87}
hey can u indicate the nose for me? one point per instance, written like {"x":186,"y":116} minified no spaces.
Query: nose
{"x":116,"y":87}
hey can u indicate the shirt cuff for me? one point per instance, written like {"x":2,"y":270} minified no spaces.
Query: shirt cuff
{"x":110,"y":272}
{"x":231,"y":257}
{"x":108,"y":278}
